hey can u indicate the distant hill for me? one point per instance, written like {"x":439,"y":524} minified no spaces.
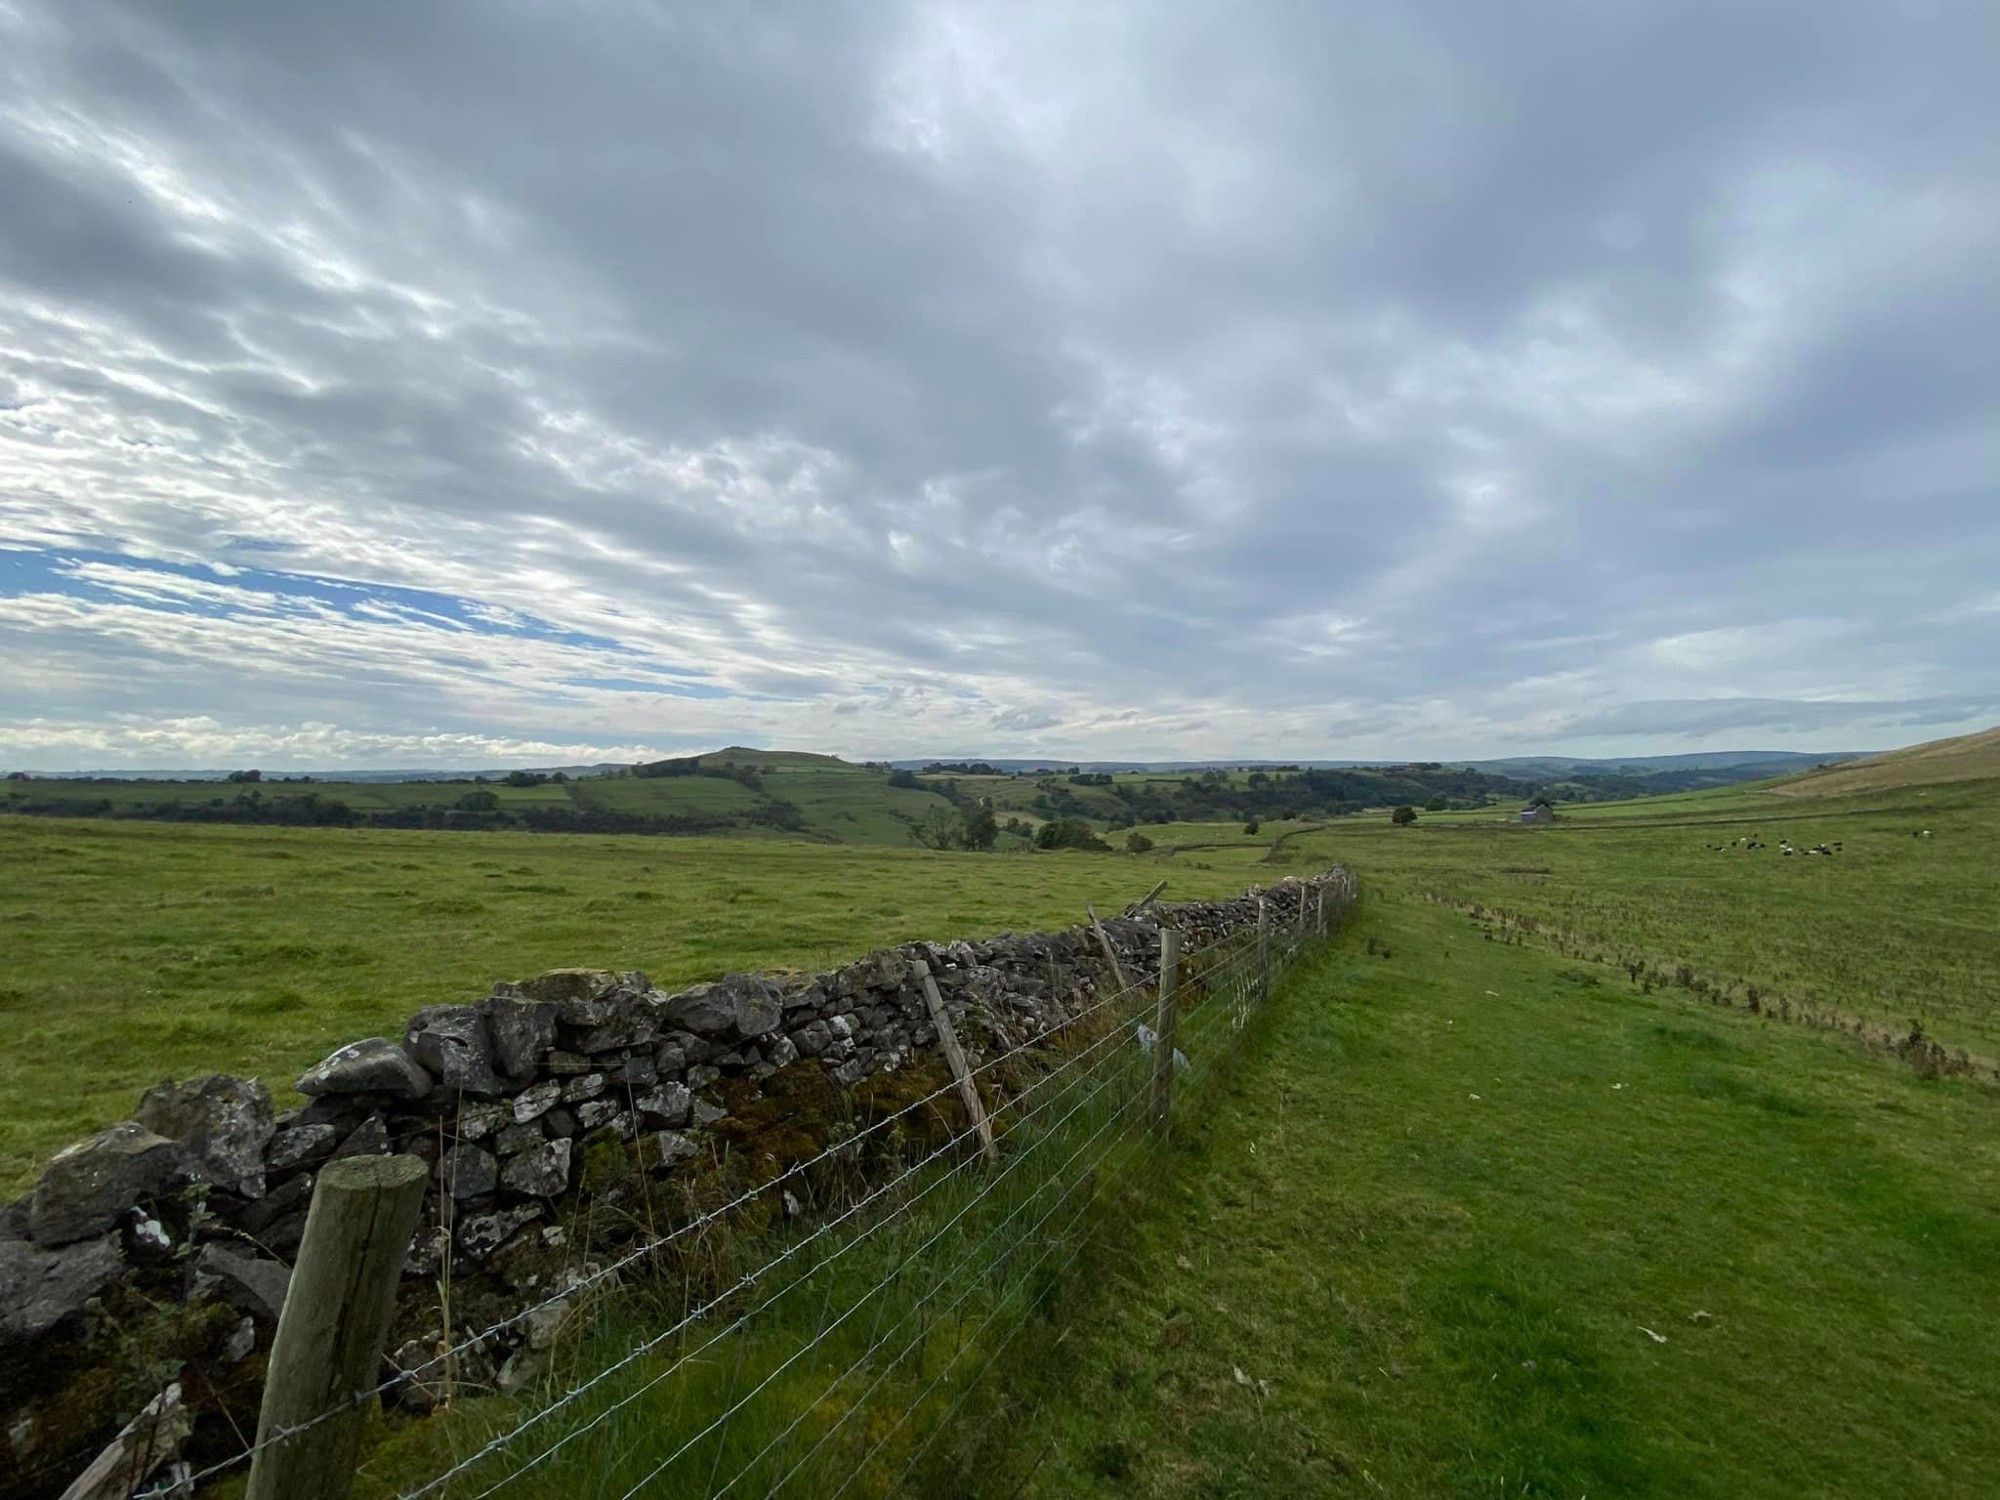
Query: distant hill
{"x":1522,"y":767}
{"x":1965,"y":757}
{"x":744,"y":792}
{"x":1763,"y":762}
{"x":422,"y":773}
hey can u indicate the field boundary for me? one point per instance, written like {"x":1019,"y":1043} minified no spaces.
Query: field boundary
{"x":578,"y":1133}
{"x":1912,"y":1045}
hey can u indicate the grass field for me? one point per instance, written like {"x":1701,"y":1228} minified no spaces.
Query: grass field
{"x":1896,"y":929}
{"x":1473,"y":1216}
{"x":1496,"y":1201}
{"x":137,"y":951}
{"x":1476,"y":1219}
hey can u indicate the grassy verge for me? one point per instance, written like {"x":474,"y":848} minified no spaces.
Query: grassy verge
{"x":136,"y":951}
{"x":1476,"y":1219}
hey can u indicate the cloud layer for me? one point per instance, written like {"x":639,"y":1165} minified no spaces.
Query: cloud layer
{"x":385,"y":384}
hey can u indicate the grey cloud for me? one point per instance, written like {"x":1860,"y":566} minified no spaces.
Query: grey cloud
{"x":956,"y":374}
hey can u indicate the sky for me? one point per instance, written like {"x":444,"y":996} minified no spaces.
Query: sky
{"x":516,"y":383}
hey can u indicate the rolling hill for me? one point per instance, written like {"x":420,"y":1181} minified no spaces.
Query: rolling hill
{"x":1965,"y":757}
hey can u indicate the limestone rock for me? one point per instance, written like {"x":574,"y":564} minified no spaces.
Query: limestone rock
{"x":452,"y":1044}
{"x":300,"y":1144}
{"x":515,"y":1139}
{"x":293,"y":1195}
{"x":542,"y":1172}
{"x":249,"y":1283}
{"x":40,"y":1288}
{"x":741,"y":1005}
{"x":533,"y":1102}
{"x":88,"y":1185}
{"x":569,"y":984}
{"x":468,"y":1171}
{"x":584,"y":1086}
{"x":369,"y":1138}
{"x":374,"y":1066}
{"x":479,"y":1235}
{"x":521,"y":1030}
{"x":669,"y":1103}
{"x":478,"y":1121}
{"x":594,"y":1112}
{"x":666,"y":1148}
{"x":222,"y":1123}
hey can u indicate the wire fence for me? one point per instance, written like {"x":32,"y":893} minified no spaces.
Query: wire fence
{"x":832,"y":1354}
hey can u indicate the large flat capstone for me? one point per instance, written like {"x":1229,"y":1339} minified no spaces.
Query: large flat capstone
{"x":375,"y":1065}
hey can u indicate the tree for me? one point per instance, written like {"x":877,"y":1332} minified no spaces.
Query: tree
{"x":936,"y":829}
{"x":1403,"y":816}
{"x":479,"y":802}
{"x":1137,"y":843}
{"x":977,"y":829}
{"x":524,"y":778}
{"x":1436,"y":804}
{"x":246,"y":775}
{"x":1252,"y":826}
{"x":906,"y":780}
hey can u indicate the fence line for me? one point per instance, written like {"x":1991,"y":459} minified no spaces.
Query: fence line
{"x":1223,"y":983}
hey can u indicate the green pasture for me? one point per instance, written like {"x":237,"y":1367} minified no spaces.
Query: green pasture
{"x":138,"y":951}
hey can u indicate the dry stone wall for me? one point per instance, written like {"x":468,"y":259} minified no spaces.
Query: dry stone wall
{"x":552,"y":1111}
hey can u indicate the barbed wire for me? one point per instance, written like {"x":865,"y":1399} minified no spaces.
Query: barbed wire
{"x":1237,"y":948}
{"x":1115,"y":1034}
{"x":1232,"y":975}
{"x":688,"y":1319}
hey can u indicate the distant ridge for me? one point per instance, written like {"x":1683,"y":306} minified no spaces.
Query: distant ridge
{"x":1527,"y":767}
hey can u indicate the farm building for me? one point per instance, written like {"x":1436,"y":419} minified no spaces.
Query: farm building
{"x":1539,"y":813}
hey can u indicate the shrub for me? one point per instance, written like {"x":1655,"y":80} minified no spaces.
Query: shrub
{"x":1137,"y":843}
{"x":1068,"y":833}
{"x":1403,"y":816}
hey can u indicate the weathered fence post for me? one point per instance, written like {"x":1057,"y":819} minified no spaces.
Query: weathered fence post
{"x":968,"y":1091}
{"x":1164,"y":1024}
{"x":1305,"y":905}
{"x":329,"y":1342}
{"x":1319,"y":911}
{"x":1263,"y":950}
{"x":1110,"y":953}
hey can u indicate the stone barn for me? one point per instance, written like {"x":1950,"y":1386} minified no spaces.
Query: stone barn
{"x":1539,"y":813}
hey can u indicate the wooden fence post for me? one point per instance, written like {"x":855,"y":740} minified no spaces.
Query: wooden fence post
{"x":1165,"y":1019}
{"x":968,"y":1091}
{"x":1263,"y":950}
{"x":1305,"y":893}
{"x":1104,"y":942}
{"x":328,"y":1348}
